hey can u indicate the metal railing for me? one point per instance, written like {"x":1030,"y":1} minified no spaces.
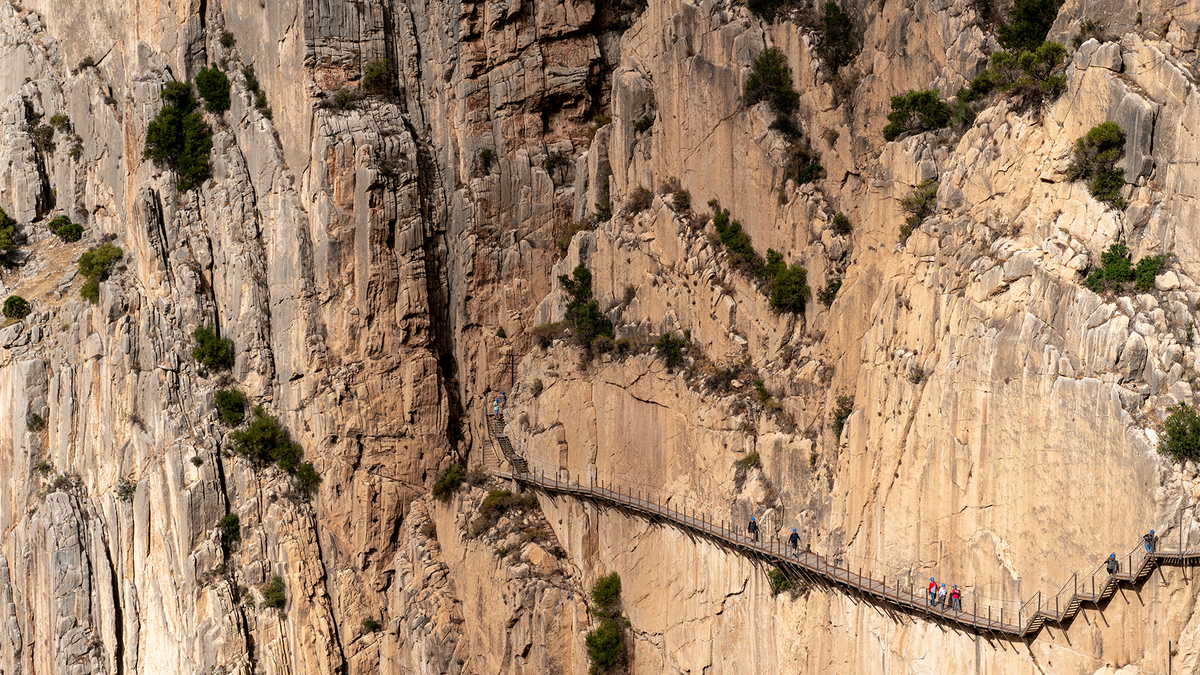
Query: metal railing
{"x":999,"y":617}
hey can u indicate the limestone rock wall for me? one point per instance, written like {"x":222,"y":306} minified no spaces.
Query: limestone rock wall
{"x":378,"y":259}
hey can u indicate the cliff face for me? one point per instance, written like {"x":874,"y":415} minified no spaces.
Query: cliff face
{"x":377,"y":260}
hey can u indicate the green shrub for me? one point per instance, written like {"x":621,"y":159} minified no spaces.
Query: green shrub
{"x":643,"y":123}
{"x":771,"y":80}
{"x":87,"y":62}
{"x":547,"y":333}
{"x":370,"y":625}
{"x":830,"y":291}
{"x":486,"y":159}
{"x":753,"y":459}
{"x":378,"y":78}
{"x":211,"y":351}
{"x":789,"y":290}
{"x":260,"y":99}
{"x":1117,"y":270}
{"x":919,"y":204}
{"x":65,"y":229}
{"x":1088,"y":29}
{"x":1096,"y":155}
{"x":682,"y":200}
{"x":670,"y":346}
{"x":779,"y":582}
{"x":737,"y":242}
{"x":916,"y":112}
{"x":765,"y":9}
{"x":8,"y":234}
{"x":231,"y":529}
{"x":307,"y":479}
{"x":447,"y":482}
{"x":231,"y":406}
{"x":583,"y":310}
{"x":639,"y":200}
{"x":266,"y":441}
{"x":274,"y":593}
{"x":34,"y":422}
{"x":1181,"y":435}
{"x":126,"y":489}
{"x":606,"y":592}
{"x":94,"y":266}
{"x":16,"y":307}
{"x":61,"y":122}
{"x":845,"y":406}
{"x":1028,"y":23}
{"x":606,"y":645}
{"x":227,"y":40}
{"x":1023,"y":77}
{"x":838,"y":43}
{"x":842,"y":225}
{"x":179,"y":137}
{"x":604,"y":206}
{"x":564,"y":242}
{"x":498,"y":503}
{"x":213,"y":85}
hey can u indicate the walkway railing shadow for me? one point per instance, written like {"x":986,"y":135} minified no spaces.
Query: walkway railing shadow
{"x":997,"y":617}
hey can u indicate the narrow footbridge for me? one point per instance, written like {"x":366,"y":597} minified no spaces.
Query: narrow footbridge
{"x":1019,"y":621}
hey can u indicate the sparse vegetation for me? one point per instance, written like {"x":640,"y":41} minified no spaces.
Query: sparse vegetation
{"x":1028,"y":23}
{"x":564,"y":242}
{"x":306,"y":479}
{"x":604,"y":206}
{"x":231,"y":406}
{"x":644,"y":123}
{"x":231,"y":529}
{"x":227,"y":40}
{"x":919,"y":204}
{"x":378,"y":79}
{"x":1096,"y":156}
{"x":751,"y":461}
{"x":260,"y":99}
{"x":275,"y":593}
{"x":498,"y":503}
{"x":94,"y":266}
{"x":547,"y":333}
{"x":786,"y":286}
{"x":670,"y":346}
{"x":1117,"y":270}
{"x":16,"y":307}
{"x":34,"y":422}
{"x":838,"y":44}
{"x":598,"y":123}
{"x":771,"y":80}
{"x":1088,"y":29}
{"x":584,"y":311}
{"x":487,"y":157}
{"x":916,"y":112}
{"x":536,"y":388}
{"x":639,"y":200}
{"x":1181,"y":435}
{"x":213,"y":86}
{"x":779,"y":582}
{"x":788,"y":290}
{"x":841,"y":224}
{"x":917,"y":375}
{"x":266,"y":441}
{"x":212,"y":352}
{"x":845,"y":406}
{"x":87,"y":62}
{"x":682,"y":200}
{"x":606,"y":644}
{"x":370,"y":625}
{"x":65,"y":229}
{"x":555,"y":161}
{"x":179,"y":137}
{"x":126,"y":489}
{"x":8,"y":234}
{"x":830,"y":291}
{"x":1026,"y":78}
{"x":447,"y":482}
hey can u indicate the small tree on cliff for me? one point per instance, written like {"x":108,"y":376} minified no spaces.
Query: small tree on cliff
{"x":584,"y":310}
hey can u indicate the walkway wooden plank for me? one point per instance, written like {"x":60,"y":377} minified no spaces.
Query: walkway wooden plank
{"x":1029,"y":623}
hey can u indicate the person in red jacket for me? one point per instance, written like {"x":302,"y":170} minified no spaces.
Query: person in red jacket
{"x":932,"y":591}
{"x":956,"y":599}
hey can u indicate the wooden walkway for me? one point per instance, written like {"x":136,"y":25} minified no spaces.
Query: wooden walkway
{"x":805,"y":566}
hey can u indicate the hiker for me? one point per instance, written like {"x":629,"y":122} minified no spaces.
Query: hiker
{"x":1148,"y":540}
{"x":496,"y":407}
{"x":932,"y":591}
{"x":942,"y":596}
{"x":956,"y":599}
{"x":752,"y":528}
{"x":794,"y":540}
{"x":1111,"y":564}
{"x":503,"y":400}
